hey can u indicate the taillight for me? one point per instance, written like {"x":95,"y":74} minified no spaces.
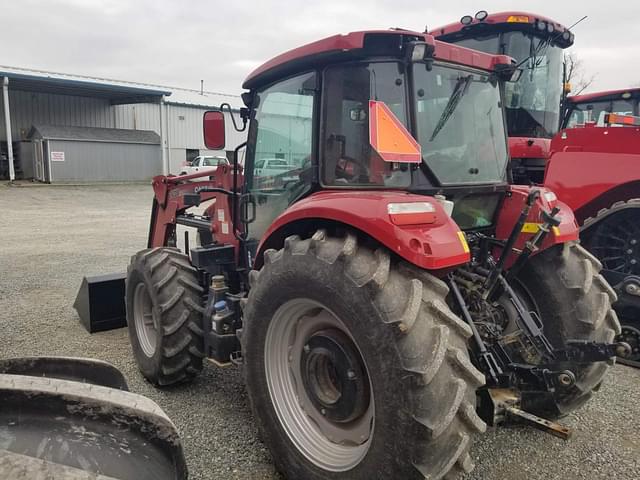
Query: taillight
{"x":414,"y":213}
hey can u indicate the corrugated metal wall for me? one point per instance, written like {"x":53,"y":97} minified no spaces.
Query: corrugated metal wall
{"x":185,"y":124}
{"x":105,"y":161}
{"x":29,"y":108}
{"x":184,"y":132}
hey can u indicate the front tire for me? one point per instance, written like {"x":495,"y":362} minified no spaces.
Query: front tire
{"x":574,"y":303}
{"x":164,"y":315}
{"x":413,"y":411}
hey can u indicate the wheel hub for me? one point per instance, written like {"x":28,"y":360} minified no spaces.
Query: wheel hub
{"x":146,"y":328}
{"x":334,"y":377}
{"x":319,"y":385}
{"x":631,"y":335}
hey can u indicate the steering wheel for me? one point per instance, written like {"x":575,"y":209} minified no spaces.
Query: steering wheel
{"x":351,"y":170}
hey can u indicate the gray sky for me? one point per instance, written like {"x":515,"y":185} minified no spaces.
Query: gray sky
{"x":178,"y":43}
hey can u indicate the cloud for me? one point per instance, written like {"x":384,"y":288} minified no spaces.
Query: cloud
{"x":179,"y":43}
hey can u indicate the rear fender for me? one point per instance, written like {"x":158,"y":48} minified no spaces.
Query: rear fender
{"x":510,"y":210}
{"x":432,"y":246}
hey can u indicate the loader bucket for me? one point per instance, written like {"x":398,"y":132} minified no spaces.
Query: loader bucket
{"x":54,"y":428}
{"x":100,"y":302}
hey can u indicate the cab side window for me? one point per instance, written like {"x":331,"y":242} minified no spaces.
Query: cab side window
{"x":280,"y":170}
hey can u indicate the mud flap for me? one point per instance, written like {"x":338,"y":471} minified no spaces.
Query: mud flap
{"x":59,"y":429}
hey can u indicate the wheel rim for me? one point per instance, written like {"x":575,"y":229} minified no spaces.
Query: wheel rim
{"x":319,"y":385}
{"x":616,"y":243}
{"x":143,"y":320}
{"x":631,"y":335}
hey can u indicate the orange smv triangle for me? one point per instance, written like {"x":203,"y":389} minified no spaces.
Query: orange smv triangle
{"x":388,"y":136}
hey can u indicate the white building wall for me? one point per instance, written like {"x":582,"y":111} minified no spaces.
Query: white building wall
{"x":184,"y":128}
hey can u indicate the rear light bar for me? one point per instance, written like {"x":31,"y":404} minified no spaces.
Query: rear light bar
{"x":616,"y":119}
{"x":413,"y":213}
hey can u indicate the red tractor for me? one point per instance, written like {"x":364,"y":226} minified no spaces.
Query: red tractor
{"x":595,"y":171}
{"x":387,"y":279}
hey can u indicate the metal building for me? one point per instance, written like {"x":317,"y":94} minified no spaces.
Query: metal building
{"x":47,"y":100}
{"x":99,"y":154}
{"x":183,"y":111}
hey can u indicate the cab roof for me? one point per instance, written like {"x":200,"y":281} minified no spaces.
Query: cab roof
{"x":605,"y":95}
{"x":362,"y":45}
{"x":504,"y":22}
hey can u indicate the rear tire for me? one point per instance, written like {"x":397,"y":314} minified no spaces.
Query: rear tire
{"x":164,"y":315}
{"x":413,"y":351}
{"x":574,"y":303}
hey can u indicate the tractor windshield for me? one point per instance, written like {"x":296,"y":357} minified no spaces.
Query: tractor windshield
{"x":460,"y":125}
{"x":533,"y":102}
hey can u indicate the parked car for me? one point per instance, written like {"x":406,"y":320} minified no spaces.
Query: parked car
{"x":203,"y":163}
{"x":274,"y":173}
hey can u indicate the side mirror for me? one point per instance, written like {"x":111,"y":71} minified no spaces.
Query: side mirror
{"x":213,"y":129}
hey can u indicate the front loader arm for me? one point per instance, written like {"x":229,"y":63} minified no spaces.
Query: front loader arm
{"x":173,"y":196}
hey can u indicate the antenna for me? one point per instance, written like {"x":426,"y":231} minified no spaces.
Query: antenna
{"x":548,"y":42}
{"x":201,"y":87}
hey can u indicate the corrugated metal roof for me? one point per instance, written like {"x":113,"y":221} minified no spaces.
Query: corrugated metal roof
{"x":184,"y":96}
{"x":119,"y":91}
{"x":57,"y":132}
{"x":61,"y":83}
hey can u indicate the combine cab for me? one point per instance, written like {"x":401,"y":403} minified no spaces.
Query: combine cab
{"x":385,"y":281}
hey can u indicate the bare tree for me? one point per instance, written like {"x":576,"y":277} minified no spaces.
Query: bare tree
{"x":576,"y":75}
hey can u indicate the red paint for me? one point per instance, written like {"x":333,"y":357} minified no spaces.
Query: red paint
{"x":494,"y":19}
{"x":169,"y":195}
{"x":431,"y":246}
{"x":595,"y":96}
{"x":510,"y":211}
{"x":354,"y":41}
{"x":525,"y":147}
{"x":589,"y":162}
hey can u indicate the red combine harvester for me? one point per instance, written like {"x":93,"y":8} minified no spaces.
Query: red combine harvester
{"x":595,"y":168}
{"x":387,"y":279}
{"x":595,"y":171}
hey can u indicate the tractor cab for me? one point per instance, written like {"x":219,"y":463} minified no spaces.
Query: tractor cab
{"x":533,"y":103}
{"x":377,"y":111}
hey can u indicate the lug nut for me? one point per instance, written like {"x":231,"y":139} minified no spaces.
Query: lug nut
{"x":565,"y":379}
{"x":351,"y":374}
{"x":633,"y":289}
{"x":306,"y":348}
{"x":323,"y":411}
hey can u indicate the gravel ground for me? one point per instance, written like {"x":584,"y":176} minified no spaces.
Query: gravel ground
{"x":51,"y":236}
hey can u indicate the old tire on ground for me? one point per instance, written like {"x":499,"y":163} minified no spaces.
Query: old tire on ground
{"x":574,"y":303}
{"x":164,"y":315}
{"x":345,"y":342}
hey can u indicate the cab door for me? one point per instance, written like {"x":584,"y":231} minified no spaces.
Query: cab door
{"x":282,"y":132}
